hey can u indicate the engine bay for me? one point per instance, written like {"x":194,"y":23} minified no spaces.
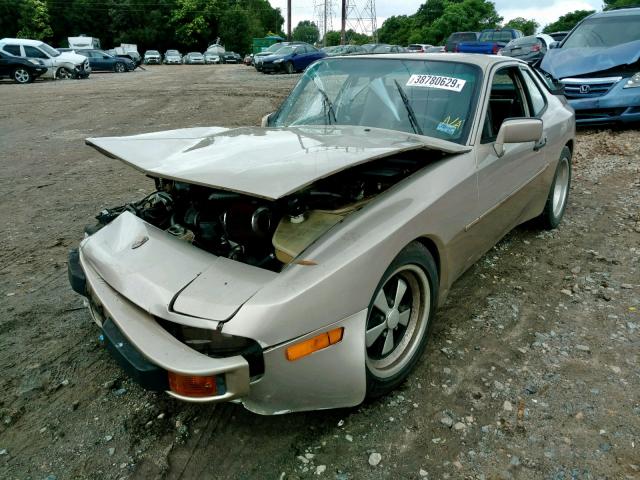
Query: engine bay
{"x":263,"y":233}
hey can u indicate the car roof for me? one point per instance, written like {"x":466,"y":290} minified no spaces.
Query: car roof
{"x":483,"y":61}
{"x":618,"y":12}
{"x":22,"y":41}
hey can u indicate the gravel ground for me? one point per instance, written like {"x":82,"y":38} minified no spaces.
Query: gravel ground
{"x":532,"y":371}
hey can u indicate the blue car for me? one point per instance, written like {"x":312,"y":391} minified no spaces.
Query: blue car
{"x":598,"y":64}
{"x":292,"y":58}
{"x":105,"y":62}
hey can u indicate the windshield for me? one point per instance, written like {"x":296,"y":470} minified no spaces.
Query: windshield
{"x":499,"y":36}
{"x":274,"y":47}
{"x":52,"y":52}
{"x":152,"y":52}
{"x":172,"y":52}
{"x":605,"y":32}
{"x":431,"y":98}
{"x":286,"y":50}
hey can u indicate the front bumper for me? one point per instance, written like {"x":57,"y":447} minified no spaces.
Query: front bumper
{"x":330,"y":378}
{"x":150,"y":61}
{"x":272,"y":67}
{"x":618,"y":105}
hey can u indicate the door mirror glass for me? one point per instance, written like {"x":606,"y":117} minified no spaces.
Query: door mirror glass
{"x":518,"y":130}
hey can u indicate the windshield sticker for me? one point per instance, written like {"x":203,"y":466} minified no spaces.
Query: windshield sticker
{"x":449,"y":126}
{"x":436,"y":81}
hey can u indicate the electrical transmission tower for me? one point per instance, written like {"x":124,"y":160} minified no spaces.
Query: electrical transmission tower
{"x":323,"y":13}
{"x":361,"y":18}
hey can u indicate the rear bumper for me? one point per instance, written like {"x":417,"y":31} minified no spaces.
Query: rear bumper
{"x":618,"y":105}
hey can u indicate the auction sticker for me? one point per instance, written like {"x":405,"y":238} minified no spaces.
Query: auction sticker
{"x":436,"y":81}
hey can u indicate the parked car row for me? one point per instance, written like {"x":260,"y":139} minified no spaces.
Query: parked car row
{"x":214,"y":54}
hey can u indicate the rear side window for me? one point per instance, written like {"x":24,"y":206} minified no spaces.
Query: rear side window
{"x":537,"y":101}
{"x":12,"y":49}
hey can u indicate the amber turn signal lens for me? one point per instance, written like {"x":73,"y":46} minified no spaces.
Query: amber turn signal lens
{"x":307,"y":347}
{"x":192,"y":386}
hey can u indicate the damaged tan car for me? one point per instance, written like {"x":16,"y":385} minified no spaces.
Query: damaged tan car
{"x":298,"y":265}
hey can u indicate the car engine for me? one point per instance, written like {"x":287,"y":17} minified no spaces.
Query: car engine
{"x":263,"y":233}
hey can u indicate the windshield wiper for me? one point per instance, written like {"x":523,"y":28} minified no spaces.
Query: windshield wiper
{"x":412,"y":115}
{"x":327,"y":102}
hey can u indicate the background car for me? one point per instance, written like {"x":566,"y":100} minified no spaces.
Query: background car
{"x":229,"y":57}
{"x":20,"y":70}
{"x":152,"y":57}
{"x":530,"y":48}
{"x":418,"y":47}
{"x":102,"y":61}
{"x":172,"y":57}
{"x":211,"y":57}
{"x":344,"y":50}
{"x":490,"y":41}
{"x":598,"y":65}
{"x":60,"y":65}
{"x":436,"y":49}
{"x":292,"y":58}
{"x":558,"y":36}
{"x":258,"y":57}
{"x":455,"y":38}
{"x":193,"y":58}
{"x":380,"y":48}
{"x":248,"y":59}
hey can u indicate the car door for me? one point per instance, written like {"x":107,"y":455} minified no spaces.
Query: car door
{"x":36,"y":53}
{"x":507,"y":184}
{"x":5,"y":69}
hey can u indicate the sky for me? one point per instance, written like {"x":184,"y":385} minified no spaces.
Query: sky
{"x":543,"y":11}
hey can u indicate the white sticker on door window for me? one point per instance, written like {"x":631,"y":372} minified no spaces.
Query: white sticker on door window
{"x":436,"y":81}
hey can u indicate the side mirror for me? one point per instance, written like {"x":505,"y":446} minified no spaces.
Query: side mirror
{"x":554,"y":45}
{"x":106,"y":57}
{"x":517,"y":130}
{"x":265,"y":120}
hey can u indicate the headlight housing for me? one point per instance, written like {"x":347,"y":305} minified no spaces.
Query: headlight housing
{"x":279,"y":60}
{"x":35,"y":62}
{"x":633,"y":81}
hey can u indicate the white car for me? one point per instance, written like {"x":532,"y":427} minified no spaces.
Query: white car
{"x":60,"y":65}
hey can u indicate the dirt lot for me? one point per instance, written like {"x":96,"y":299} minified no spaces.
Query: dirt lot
{"x":533,"y":370}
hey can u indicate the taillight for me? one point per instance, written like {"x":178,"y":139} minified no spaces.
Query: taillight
{"x":495,"y":49}
{"x":535,"y":48}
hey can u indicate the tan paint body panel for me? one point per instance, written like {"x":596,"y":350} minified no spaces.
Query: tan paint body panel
{"x":263,"y":162}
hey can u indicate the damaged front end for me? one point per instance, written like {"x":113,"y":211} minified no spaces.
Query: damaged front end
{"x":164,"y":274}
{"x":601,"y":84}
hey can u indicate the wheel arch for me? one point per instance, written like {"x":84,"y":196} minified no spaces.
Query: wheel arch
{"x":570,"y":146}
{"x":430,"y":244}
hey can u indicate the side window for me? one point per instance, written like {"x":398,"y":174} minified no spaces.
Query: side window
{"x":506,"y":100}
{"x":537,"y":102}
{"x":32,"y":52}
{"x":12,"y":50}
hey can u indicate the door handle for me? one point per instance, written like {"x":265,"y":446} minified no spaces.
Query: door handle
{"x":540,"y":144}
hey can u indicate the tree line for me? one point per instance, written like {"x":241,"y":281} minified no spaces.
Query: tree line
{"x":151,"y":24}
{"x":195,"y":24}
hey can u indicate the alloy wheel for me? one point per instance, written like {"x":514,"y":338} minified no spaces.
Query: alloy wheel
{"x":561,"y":187}
{"x":397,"y":321}
{"x":21,"y":75}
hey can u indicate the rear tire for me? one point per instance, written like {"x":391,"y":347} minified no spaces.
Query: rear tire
{"x":22,"y":75}
{"x":289,"y":68}
{"x":558,"y":194}
{"x":399,"y":319}
{"x":119,"y":67}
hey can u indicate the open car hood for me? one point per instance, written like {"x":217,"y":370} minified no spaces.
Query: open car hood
{"x":567,"y":62}
{"x":263,"y":162}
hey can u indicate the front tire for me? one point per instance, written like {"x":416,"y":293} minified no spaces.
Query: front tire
{"x":22,"y":75}
{"x":119,"y":67}
{"x":558,"y":194}
{"x":400,"y":315}
{"x":289,"y":68}
{"x":64,"y":73}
